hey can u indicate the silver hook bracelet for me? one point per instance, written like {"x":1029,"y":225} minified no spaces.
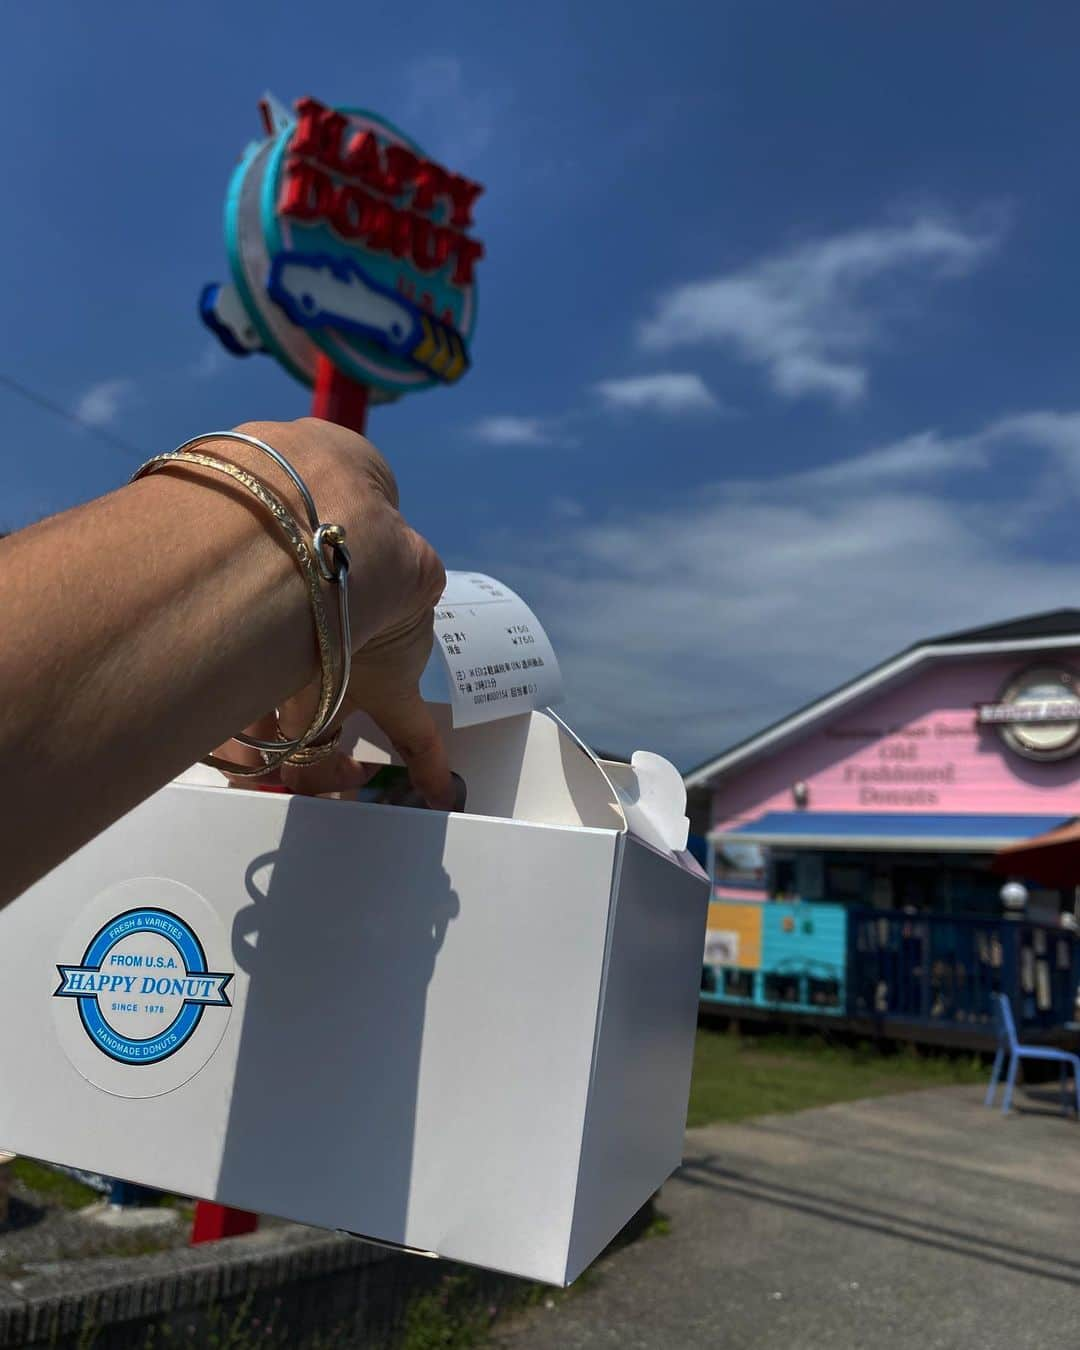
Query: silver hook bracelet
{"x":332,"y":559}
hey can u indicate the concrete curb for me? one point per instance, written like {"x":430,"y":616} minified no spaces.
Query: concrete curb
{"x":113,"y":1291}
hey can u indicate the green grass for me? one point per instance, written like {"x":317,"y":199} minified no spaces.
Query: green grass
{"x":56,"y":1188}
{"x":452,"y":1317}
{"x":739,"y":1076}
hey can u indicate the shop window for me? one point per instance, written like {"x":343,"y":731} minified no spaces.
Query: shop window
{"x":916,"y":887}
{"x":741,"y":865}
{"x":739,"y":983}
{"x":1043,"y":904}
{"x":972,"y":890}
{"x":782,"y":989}
{"x":881,"y":892}
{"x":783,"y":879}
{"x":810,"y":876}
{"x":823,"y":993}
{"x":845,"y":883}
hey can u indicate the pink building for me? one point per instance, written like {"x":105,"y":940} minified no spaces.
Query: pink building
{"x":897,"y":788}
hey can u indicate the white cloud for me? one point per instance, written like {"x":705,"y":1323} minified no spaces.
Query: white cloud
{"x":211,"y":361}
{"x":809,"y":315}
{"x":923,"y":455}
{"x":663,"y":393}
{"x":100,"y":404}
{"x":1057,"y":432}
{"x":510,"y":430}
{"x":681,"y":629}
{"x":461,"y":118}
{"x":566,"y":508}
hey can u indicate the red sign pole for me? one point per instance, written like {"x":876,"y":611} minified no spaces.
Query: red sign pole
{"x":219,"y":1221}
{"x":336,"y":398}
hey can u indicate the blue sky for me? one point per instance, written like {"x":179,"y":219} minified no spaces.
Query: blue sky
{"x":777,"y":361}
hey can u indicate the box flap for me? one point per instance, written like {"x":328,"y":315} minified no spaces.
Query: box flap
{"x":534,"y":768}
{"x":652,"y":795}
{"x":522,"y":768}
{"x":527,"y":768}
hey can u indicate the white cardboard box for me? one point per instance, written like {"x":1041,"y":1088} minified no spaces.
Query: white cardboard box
{"x":469,"y":1035}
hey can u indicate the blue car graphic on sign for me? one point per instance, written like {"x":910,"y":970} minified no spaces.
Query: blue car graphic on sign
{"x":318,"y":291}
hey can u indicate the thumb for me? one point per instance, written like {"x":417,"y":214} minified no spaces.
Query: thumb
{"x":408,"y":722}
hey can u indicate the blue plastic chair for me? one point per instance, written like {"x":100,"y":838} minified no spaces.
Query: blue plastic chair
{"x":1009,"y":1045}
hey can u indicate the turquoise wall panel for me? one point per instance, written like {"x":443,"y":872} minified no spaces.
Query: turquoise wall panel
{"x":803,"y":956}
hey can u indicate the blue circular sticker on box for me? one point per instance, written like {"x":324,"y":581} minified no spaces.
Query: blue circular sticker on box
{"x":143,"y":998}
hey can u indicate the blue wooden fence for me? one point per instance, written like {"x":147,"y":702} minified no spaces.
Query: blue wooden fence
{"x":933,"y":970}
{"x":941,"y":970}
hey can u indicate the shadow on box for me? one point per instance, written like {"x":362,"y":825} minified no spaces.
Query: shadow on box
{"x":318,"y":1094}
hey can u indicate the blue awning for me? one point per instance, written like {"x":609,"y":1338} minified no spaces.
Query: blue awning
{"x":879,"y":830}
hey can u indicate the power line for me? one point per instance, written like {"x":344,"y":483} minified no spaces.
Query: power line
{"x":58,"y":410}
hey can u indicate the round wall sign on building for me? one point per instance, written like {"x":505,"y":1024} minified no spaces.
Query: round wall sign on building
{"x":346,"y":241}
{"x":1037,"y":713}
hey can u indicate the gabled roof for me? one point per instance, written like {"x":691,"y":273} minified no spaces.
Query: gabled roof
{"x":1051,"y":623}
{"x":1031,"y":633}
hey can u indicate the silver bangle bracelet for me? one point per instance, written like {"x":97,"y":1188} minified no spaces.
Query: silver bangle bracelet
{"x":332,"y":559}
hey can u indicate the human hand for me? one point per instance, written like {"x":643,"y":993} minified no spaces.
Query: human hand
{"x":394,"y":582}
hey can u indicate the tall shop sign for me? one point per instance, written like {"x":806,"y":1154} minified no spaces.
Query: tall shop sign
{"x":344,"y":238}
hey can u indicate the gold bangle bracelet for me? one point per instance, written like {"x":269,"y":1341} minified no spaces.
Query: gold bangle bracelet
{"x":274,"y":754}
{"x":314,"y":754}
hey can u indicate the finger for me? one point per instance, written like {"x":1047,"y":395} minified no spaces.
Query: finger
{"x":337,"y":773}
{"x":412,"y":730}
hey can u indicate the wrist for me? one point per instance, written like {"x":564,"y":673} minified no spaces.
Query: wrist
{"x":352,"y":486}
{"x":242,"y":576}
{"x":394,"y":573}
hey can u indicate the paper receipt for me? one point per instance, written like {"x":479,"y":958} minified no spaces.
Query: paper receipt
{"x":499,"y":660}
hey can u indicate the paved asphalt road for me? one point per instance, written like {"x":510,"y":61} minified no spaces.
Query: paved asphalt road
{"x":920,"y":1220}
